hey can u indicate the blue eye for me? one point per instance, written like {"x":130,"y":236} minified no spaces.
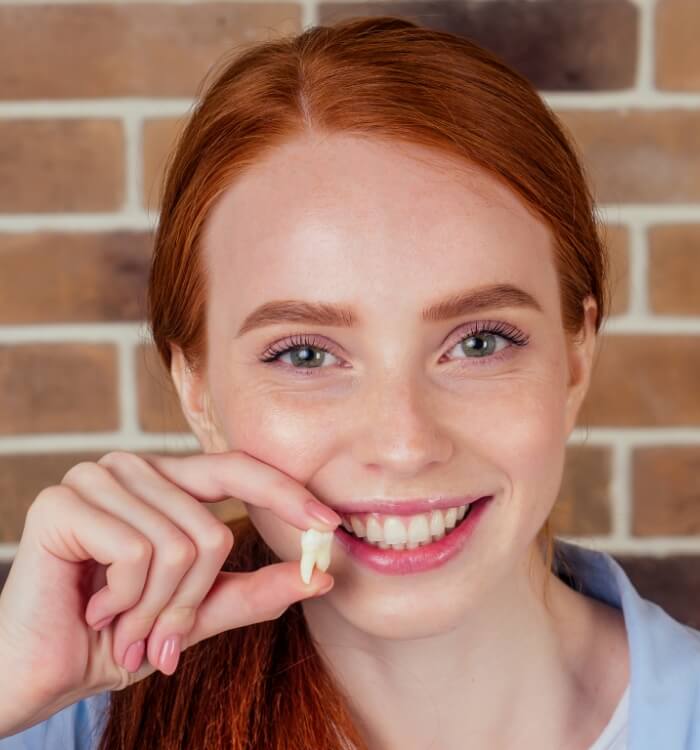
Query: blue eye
{"x":308,"y":353}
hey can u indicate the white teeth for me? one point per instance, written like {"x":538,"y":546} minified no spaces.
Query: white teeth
{"x":418,"y":530}
{"x":401,"y":532}
{"x":315,"y":550}
{"x":374,"y":530}
{"x":437,"y":524}
{"x":394,"y":531}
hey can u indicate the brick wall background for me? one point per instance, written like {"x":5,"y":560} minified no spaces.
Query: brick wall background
{"x":91,"y":95}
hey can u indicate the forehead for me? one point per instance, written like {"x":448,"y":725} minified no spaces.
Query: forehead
{"x":342,"y":217}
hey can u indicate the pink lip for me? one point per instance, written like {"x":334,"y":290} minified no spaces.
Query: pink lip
{"x":407,"y":507}
{"x":401,"y":562}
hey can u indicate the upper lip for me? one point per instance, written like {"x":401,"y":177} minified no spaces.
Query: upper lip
{"x":405,"y":507}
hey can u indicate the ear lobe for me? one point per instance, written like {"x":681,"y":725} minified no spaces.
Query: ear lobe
{"x":581,"y":352}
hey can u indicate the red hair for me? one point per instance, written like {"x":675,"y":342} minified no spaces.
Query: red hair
{"x":265,"y":687}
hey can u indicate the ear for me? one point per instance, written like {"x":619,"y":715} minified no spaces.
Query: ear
{"x":195,"y":402}
{"x":581,"y":351}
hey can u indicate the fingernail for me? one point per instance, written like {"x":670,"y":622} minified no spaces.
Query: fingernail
{"x":169,"y":654}
{"x":323,"y":513}
{"x":325,"y":589}
{"x":134,"y":655}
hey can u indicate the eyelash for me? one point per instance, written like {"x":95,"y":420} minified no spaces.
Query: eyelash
{"x":508,"y":332}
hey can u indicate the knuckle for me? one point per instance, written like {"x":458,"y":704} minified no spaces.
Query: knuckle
{"x":48,"y":497}
{"x":138,"y":551}
{"x":122,"y":459}
{"x":218,"y":540}
{"x":179,"y":553}
{"x":85,"y":470}
{"x":177,"y":617}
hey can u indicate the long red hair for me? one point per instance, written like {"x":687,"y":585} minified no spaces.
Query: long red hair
{"x":265,"y":687}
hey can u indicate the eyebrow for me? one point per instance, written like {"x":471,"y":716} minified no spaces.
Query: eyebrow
{"x":340,"y":316}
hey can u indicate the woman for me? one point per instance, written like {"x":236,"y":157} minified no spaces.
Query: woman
{"x":377,"y":283}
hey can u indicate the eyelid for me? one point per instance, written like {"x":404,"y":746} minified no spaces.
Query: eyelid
{"x":510,"y":333}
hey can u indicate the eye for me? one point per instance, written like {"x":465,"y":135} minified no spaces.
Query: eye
{"x":306,"y":353}
{"x":479,"y":342}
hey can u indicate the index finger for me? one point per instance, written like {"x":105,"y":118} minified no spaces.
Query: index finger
{"x":211,"y":477}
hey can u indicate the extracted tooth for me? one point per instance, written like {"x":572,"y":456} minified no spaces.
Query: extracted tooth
{"x":315,"y":550}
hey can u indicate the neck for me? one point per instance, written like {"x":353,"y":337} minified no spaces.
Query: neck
{"x":511,"y":657}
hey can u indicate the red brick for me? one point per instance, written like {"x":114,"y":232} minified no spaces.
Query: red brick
{"x":618,"y":247}
{"x":61,"y":165}
{"x":639,"y":156}
{"x":50,"y":387}
{"x":159,"y":406}
{"x":559,"y":46}
{"x":674,"y":269}
{"x":64,"y":51}
{"x":666,"y":489}
{"x":677,"y":50}
{"x":644,"y":380}
{"x":52,"y":277}
{"x":583,"y":505}
{"x":159,"y":140}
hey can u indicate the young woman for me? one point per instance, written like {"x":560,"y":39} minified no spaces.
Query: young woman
{"x":378,"y":281}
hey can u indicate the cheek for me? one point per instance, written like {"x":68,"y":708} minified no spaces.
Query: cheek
{"x":285,"y":439}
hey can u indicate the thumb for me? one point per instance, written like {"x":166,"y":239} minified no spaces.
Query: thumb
{"x":239,"y":599}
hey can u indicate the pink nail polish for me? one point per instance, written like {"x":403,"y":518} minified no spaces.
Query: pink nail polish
{"x":169,"y":654}
{"x":134,"y":656}
{"x":323,"y":513}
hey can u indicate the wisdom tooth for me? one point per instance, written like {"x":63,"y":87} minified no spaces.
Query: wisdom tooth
{"x":315,"y":550}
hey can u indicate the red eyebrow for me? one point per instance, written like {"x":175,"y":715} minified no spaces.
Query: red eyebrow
{"x":340,"y":316}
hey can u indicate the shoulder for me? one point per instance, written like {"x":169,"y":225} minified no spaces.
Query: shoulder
{"x":664,"y":655}
{"x":76,"y":727}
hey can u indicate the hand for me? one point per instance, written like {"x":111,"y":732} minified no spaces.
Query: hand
{"x":120,"y":564}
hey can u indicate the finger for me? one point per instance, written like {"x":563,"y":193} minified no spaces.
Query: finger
{"x":173,"y":553}
{"x":211,"y":477}
{"x":73,"y":529}
{"x":213,"y":541}
{"x":239,"y":599}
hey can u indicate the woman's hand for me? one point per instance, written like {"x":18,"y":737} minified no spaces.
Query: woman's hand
{"x":119,"y":569}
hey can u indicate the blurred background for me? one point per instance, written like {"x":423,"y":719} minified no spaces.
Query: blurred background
{"x":91,"y":97}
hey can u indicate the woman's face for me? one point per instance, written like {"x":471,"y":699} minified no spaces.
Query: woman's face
{"x":396,"y":406}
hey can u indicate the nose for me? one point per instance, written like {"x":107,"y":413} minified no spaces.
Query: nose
{"x":399,"y":430}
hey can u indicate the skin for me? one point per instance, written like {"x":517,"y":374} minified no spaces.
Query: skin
{"x":401,"y":409}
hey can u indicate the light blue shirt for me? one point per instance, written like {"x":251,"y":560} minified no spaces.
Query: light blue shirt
{"x":664,"y":698}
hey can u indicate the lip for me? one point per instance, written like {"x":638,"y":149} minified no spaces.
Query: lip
{"x":406,"y":507}
{"x":402,"y":562}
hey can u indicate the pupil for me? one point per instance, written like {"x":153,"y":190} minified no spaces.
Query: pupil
{"x":304,"y":355}
{"x":479,"y":348}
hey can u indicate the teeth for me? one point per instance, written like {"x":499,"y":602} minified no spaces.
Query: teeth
{"x":315,"y":550}
{"x":405,"y":532}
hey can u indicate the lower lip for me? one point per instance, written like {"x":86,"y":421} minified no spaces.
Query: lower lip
{"x":405,"y":561}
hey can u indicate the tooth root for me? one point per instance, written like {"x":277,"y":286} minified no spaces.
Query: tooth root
{"x":315,"y":550}
{"x":323,"y":557}
{"x":308,"y":558}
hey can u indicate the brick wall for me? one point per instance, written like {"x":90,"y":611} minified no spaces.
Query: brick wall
{"x":91,"y":96}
